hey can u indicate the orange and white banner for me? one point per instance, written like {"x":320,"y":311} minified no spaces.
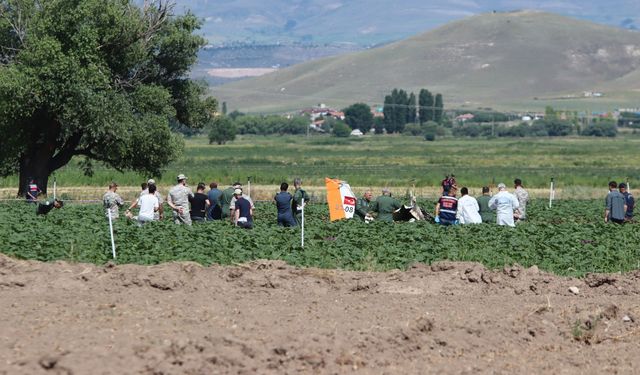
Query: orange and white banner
{"x":341,"y":200}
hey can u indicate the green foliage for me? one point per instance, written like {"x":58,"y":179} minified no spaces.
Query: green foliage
{"x":629,"y":119}
{"x":340,"y":129}
{"x":539,"y":128}
{"x":438,"y":110}
{"x":358,"y":116}
{"x":222,"y":130}
{"x":386,"y":161}
{"x":427,"y":106}
{"x":569,"y":239}
{"x":95,"y":78}
{"x":605,"y":128}
{"x":413,"y":129}
{"x":273,"y":124}
{"x":378,"y":125}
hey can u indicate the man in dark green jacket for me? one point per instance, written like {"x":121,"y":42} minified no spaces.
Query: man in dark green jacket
{"x":226,"y":197}
{"x":384,"y":205}
{"x":487,"y":214}
{"x":296,"y":203}
{"x":363,"y":205}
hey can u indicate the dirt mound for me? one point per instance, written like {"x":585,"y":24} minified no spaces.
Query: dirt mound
{"x":269,"y":318}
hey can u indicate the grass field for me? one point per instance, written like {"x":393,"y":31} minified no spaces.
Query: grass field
{"x":396,"y":161}
{"x":569,"y":239}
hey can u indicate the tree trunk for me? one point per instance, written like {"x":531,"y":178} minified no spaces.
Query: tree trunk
{"x":34,"y":167}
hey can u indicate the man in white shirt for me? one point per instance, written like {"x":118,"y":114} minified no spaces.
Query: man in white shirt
{"x":504,"y":203}
{"x":468,"y":208}
{"x":148,"y":204}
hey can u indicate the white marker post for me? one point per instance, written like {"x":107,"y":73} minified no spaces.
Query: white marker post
{"x":552,"y":193}
{"x":302,"y":223}
{"x":113,"y":243}
{"x":628,"y":187}
{"x":54,"y":187}
{"x":249,"y":186}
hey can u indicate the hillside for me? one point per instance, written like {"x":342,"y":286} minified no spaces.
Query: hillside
{"x":370,"y":22}
{"x":485,"y":59}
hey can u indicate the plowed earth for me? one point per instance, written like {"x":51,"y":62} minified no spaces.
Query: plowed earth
{"x":267,"y":317}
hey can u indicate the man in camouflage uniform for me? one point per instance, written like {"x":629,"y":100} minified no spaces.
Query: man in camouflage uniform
{"x":178,"y":200}
{"x":112,"y":202}
{"x":523,"y":199}
{"x":363,"y":206}
{"x":298,"y":196}
{"x":384,"y":205}
{"x":226,"y":198}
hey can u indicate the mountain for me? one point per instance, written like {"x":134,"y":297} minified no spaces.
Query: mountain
{"x":481,"y":60}
{"x":371,"y":22}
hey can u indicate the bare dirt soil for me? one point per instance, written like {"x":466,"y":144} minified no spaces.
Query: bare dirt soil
{"x":267,"y":317}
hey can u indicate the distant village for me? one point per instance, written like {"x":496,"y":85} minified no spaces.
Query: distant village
{"x":320,"y":113}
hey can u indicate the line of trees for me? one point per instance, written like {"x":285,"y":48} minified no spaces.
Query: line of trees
{"x":538,"y":128}
{"x":225,"y":128}
{"x":401,"y":108}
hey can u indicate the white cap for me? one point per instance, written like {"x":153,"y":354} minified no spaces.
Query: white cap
{"x":502,"y":186}
{"x":151,"y":181}
{"x":237,"y":191}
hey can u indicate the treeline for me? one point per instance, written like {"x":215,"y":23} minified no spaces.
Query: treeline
{"x":401,"y":108}
{"x":538,"y":128}
{"x":225,"y":128}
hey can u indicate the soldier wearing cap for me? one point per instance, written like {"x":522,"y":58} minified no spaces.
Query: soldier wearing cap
{"x":157,"y":215}
{"x":384,"y":205}
{"x":111,"y":201}
{"x":178,"y":200}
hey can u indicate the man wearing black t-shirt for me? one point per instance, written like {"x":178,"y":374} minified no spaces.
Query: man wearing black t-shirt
{"x":199,"y":203}
{"x":243,"y":211}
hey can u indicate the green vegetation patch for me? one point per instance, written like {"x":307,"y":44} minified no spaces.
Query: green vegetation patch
{"x":569,"y":239}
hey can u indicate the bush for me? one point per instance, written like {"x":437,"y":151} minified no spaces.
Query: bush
{"x":413,"y":129}
{"x":601,"y":129}
{"x":340,"y":129}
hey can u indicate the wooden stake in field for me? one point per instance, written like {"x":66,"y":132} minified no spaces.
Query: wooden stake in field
{"x":552,"y":193}
{"x":113,"y":243}
{"x":302,"y":224}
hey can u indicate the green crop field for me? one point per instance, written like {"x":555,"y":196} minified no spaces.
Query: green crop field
{"x":396,"y":161}
{"x":569,"y":239}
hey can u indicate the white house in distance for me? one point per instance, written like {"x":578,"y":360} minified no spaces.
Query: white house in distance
{"x":357,"y":133}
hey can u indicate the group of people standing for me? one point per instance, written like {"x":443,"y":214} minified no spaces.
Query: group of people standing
{"x":509,"y":208}
{"x":619,"y":204}
{"x":503,"y":208}
{"x":188,"y":207}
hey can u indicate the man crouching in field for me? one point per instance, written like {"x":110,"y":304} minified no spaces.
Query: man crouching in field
{"x":46,"y":207}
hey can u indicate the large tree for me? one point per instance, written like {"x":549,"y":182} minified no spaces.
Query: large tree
{"x":358,"y":116}
{"x":99,"y":79}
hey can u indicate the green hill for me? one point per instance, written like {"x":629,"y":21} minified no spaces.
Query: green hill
{"x":502,"y":59}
